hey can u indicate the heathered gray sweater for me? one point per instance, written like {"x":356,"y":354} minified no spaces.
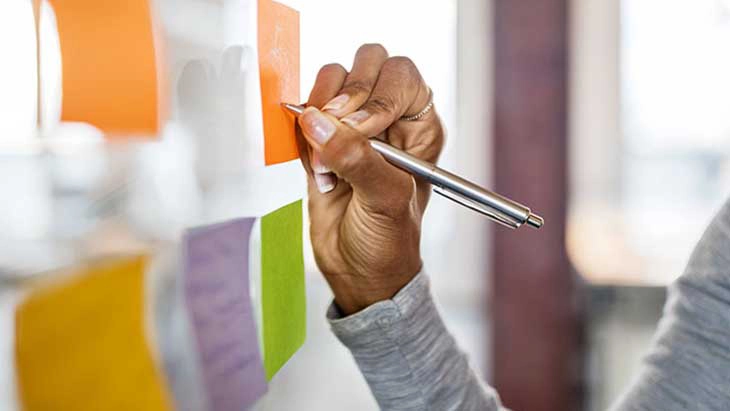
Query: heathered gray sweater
{"x":411,"y":362}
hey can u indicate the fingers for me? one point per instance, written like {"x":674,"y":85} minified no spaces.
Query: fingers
{"x":360,"y":82}
{"x":381,"y":186}
{"x":399,"y":91}
{"x":372,"y":98}
{"x":319,"y":174}
{"x":325,"y":180}
{"x":231,"y":62}
{"x":329,"y":81}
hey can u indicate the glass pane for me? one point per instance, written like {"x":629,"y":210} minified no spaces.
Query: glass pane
{"x":18,"y":71}
{"x":667,"y":173}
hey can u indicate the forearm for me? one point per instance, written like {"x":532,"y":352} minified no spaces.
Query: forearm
{"x":689,"y":365}
{"x":407,"y":356}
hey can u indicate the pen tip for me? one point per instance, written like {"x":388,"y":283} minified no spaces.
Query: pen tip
{"x":293,"y":108}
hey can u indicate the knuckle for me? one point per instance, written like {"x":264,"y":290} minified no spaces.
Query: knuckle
{"x":372,"y":48}
{"x":440,"y":138}
{"x":440,"y":143}
{"x":438,"y":147}
{"x":381,"y":103}
{"x":346,"y":156}
{"x":330,"y":69}
{"x":402,"y":65}
{"x":434,"y":141}
{"x":352,"y":155}
{"x":357,"y":87}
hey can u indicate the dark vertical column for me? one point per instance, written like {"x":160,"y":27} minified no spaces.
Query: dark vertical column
{"x":537,"y":352}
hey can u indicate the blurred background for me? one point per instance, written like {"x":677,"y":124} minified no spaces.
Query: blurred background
{"x":609,"y":118}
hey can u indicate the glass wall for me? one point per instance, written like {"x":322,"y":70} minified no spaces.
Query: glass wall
{"x":323,"y":376}
{"x":650,"y":128}
{"x":448,"y":40}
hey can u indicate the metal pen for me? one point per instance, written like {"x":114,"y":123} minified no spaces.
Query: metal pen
{"x":498,"y":208}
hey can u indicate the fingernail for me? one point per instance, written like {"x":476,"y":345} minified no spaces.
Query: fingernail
{"x":336,"y":103}
{"x":353,"y":119}
{"x":317,"y":125}
{"x":325,"y":182}
{"x":317,"y":165}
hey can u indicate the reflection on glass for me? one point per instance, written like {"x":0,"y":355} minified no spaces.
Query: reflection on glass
{"x":671,"y":169}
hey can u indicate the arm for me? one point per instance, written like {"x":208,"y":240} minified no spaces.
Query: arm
{"x":407,"y":356}
{"x":689,"y":365}
{"x":366,"y":216}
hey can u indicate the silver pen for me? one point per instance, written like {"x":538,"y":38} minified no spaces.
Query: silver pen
{"x":498,"y":208}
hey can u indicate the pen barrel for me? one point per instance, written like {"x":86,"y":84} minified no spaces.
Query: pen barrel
{"x":515,"y":212}
{"x":497,"y":207}
{"x":403,"y":160}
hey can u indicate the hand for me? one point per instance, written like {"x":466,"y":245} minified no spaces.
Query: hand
{"x":209,"y":101}
{"x":366,"y":213}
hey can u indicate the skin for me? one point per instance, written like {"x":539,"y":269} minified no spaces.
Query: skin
{"x":365,"y":213}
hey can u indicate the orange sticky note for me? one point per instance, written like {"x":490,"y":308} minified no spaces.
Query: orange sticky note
{"x":109,"y":65}
{"x":37,"y":20}
{"x":80,"y":343}
{"x":278,"y":41}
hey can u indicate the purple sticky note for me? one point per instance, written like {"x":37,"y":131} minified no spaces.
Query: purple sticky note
{"x":217,"y":297}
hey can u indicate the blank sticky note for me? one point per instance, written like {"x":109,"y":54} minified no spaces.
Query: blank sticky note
{"x":109,"y":65}
{"x":217,"y":296}
{"x":278,"y":44}
{"x":80,"y":343}
{"x":282,"y":286}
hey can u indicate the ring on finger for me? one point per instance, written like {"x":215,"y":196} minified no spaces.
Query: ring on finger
{"x":426,"y":110}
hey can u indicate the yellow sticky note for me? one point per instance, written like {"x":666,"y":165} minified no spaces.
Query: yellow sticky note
{"x":80,"y":343}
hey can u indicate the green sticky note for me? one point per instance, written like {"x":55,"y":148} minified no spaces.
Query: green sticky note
{"x":282,"y":286}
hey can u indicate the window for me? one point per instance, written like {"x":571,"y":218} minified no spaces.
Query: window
{"x":650,"y":128}
{"x":448,"y":40}
{"x":18,"y":75}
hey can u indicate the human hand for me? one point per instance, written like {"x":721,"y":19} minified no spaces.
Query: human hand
{"x":209,"y":104}
{"x":365,"y":213}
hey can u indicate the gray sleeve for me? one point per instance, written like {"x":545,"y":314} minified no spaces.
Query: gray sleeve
{"x":689,"y":364}
{"x":409,"y":359}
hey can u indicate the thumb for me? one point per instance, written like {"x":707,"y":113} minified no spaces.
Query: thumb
{"x":348,"y":153}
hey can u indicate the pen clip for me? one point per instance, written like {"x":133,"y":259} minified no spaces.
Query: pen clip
{"x":491,"y":213}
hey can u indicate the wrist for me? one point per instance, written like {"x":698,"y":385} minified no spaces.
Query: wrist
{"x":355,"y":293}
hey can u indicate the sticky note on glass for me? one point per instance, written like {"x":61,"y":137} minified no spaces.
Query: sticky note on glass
{"x":217,"y":296}
{"x":282,"y":286}
{"x":278,"y":46}
{"x":80,"y":344}
{"x":109,"y":65}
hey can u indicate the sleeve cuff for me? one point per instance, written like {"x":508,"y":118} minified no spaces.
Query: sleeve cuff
{"x":408,"y":357}
{"x":379,"y":316}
